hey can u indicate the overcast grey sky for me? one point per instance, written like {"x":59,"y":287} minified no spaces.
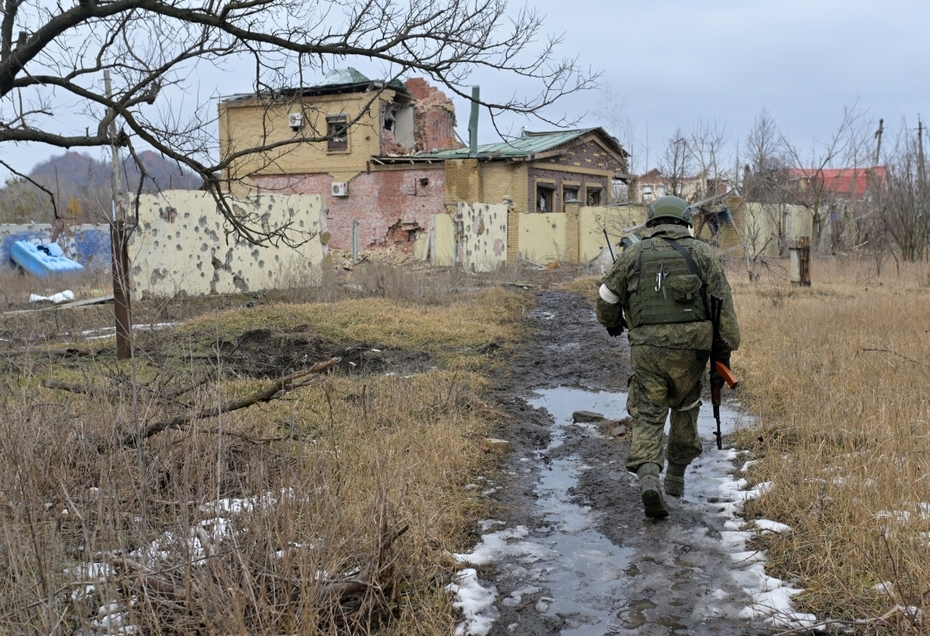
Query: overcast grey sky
{"x":671,"y":63}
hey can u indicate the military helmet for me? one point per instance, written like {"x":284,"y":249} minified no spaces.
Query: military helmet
{"x":669,"y":208}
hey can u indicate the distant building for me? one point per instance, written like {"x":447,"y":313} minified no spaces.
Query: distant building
{"x":654,"y":185}
{"x":385,"y":156}
{"x":846,"y":184}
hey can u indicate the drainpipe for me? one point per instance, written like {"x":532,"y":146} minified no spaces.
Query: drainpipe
{"x":355,"y":241}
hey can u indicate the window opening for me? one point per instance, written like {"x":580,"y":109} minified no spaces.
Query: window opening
{"x":594,"y":196}
{"x":337,"y":132}
{"x":544,"y":198}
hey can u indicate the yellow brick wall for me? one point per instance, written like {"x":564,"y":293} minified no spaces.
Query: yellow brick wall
{"x":463,"y":181}
{"x":513,"y":235}
{"x":249,"y":124}
{"x":489,"y":182}
{"x":571,"y":233}
{"x":505,"y":180}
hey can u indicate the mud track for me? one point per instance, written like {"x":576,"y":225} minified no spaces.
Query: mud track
{"x":653,"y":577}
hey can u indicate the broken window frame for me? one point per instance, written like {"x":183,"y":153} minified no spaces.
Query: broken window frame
{"x":593,"y":195}
{"x":337,"y":133}
{"x":544,"y":201}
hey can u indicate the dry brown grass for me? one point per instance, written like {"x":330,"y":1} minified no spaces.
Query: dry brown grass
{"x":324,"y":478}
{"x":837,"y":375}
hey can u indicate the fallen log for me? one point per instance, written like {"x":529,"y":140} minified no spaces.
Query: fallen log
{"x":73,"y":352}
{"x":265,"y":394}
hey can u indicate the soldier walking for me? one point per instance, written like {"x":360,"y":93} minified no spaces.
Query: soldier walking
{"x":661,"y":287}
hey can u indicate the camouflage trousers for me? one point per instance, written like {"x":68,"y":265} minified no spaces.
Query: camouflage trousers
{"x":664,"y":379}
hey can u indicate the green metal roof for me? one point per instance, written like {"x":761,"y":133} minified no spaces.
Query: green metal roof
{"x":340,"y":76}
{"x":527,"y":145}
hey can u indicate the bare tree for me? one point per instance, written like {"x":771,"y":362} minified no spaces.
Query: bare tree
{"x":705,"y":148}
{"x":53,"y":59}
{"x":765,"y":178}
{"x":905,"y":210}
{"x":675,"y":164}
{"x":614,"y":119}
{"x":845,"y":148}
{"x":765,"y":173}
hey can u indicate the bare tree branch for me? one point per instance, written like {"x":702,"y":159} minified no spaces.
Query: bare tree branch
{"x":265,"y":394}
{"x":53,"y":58}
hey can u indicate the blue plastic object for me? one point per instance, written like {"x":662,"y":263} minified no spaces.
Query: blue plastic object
{"x":42,"y":260}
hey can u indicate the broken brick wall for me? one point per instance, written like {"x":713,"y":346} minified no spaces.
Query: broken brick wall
{"x":435,"y":117}
{"x":391,"y":206}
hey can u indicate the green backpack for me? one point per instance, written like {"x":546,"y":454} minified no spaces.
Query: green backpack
{"x":670,"y":288}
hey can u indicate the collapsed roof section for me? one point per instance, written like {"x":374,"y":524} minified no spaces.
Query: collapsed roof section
{"x":529,"y":146}
{"x":336,"y":82}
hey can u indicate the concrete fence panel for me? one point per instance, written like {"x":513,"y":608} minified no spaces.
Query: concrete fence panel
{"x":181,"y":246}
{"x":617,"y":220}
{"x":542,"y":237}
{"x":484,"y":236}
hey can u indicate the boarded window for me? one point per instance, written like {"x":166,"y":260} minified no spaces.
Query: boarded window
{"x":337,"y":133}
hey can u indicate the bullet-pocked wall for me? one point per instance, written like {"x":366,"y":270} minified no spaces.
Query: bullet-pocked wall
{"x":487,"y":229}
{"x":484,"y":236}
{"x":181,"y":246}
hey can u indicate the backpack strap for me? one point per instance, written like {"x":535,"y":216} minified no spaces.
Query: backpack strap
{"x":686,"y":254}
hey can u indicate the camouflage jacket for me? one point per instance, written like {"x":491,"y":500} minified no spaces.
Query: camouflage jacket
{"x":623,"y":279}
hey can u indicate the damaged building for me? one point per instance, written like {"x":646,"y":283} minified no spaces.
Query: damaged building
{"x":385,"y":158}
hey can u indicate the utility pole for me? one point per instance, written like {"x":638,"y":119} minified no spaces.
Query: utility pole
{"x":920,"y":151}
{"x":119,"y":244}
{"x":878,"y":145}
{"x":680,"y":159}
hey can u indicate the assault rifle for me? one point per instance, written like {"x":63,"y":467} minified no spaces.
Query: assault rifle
{"x":719,"y":371}
{"x":613,"y":259}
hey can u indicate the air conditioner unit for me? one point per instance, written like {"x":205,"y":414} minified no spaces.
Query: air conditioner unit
{"x":340,"y":189}
{"x":295,"y":121}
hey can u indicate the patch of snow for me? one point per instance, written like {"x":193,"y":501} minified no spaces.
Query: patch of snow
{"x":508,"y":542}
{"x":476,"y":603}
{"x":765,"y":525}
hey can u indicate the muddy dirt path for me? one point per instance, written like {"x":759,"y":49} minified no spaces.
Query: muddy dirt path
{"x":574,"y":552}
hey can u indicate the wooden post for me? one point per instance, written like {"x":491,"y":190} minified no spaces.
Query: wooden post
{"x":801,"y":262}
{"x":119,"y":246}
{"x":119,"y":242}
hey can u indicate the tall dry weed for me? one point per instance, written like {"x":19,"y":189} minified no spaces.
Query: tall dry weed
{"x":837,"y":375}
{"x":332,"y":510}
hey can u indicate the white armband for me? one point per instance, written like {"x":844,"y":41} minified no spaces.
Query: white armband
{"x":608,"y":296}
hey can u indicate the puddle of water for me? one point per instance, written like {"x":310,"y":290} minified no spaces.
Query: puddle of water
{"x":593,"y":587}
{"x":585,"y":570}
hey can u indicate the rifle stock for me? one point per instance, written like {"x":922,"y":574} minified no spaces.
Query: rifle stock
{"x":724,"y":372}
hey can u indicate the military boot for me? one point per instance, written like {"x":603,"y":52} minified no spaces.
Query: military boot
{"x":675,"y":479}
{"x":651,"y":492}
